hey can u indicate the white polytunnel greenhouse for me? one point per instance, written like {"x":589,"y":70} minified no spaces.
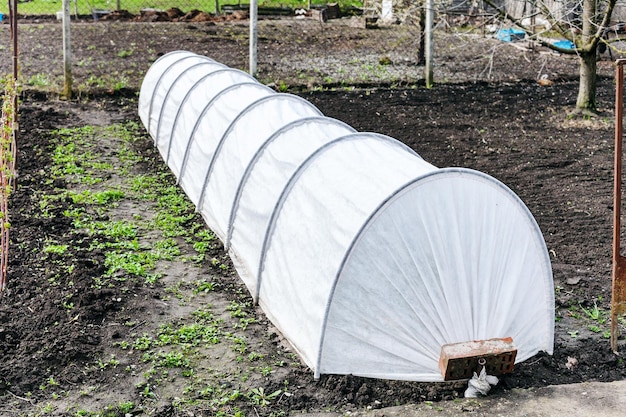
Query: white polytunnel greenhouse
{"x":366,"y":258}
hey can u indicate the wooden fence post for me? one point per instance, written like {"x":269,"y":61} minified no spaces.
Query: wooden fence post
{"x":67,"y":52}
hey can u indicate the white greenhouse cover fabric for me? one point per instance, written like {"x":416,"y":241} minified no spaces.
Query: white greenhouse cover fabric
{"x":366,"y":257}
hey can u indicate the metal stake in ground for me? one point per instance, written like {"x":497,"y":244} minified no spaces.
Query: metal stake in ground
{"x":618,"y":298}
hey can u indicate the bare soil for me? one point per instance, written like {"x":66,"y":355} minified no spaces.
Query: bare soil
{"x":487,"y":112}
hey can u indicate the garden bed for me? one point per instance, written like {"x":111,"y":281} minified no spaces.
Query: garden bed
{"x":118,"y":299}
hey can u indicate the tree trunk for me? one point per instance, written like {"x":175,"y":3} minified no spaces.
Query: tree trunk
{"x":586,"y":100}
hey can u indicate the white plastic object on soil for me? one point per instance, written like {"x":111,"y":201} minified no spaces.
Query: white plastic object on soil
{"x":366,"y":257}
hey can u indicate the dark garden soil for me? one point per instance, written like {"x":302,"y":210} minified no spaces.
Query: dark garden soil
{"x":55,"y":356}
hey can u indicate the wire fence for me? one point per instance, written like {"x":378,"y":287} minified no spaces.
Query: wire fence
{"x":302,"y":44}
{"x":87,"y":7}
{"x":97,"y":8}
{"x":334,"y":47}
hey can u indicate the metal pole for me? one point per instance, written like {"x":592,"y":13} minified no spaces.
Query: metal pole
{"x":13,"y":4}
{"x":428,"y":44}
{"x":253,"y":36}
{"x":16,"y":87}
{"x":618,"y":290}
{"x":67,"y":52}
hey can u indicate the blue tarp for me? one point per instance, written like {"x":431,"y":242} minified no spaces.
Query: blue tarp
{"x":565,"y":44}
{"x":510,"y":35}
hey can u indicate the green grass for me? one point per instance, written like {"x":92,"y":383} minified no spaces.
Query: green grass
{"x":55,"y":249}
{"x":78,"y":163}
{"x":142,"y":224}
{"x":84,"y":7}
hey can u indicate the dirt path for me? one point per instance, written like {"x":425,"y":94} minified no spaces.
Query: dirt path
{"x":574,"y":400}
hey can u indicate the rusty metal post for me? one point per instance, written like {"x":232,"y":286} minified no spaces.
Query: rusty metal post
{"x":618,"y":290}
{"x":13,"y":23}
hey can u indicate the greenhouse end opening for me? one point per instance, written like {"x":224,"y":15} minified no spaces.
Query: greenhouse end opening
{"x":368,"y":259}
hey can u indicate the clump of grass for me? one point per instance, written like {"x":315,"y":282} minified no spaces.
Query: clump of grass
{"x":95,"y":191}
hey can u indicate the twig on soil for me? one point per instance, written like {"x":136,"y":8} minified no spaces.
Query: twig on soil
{"x":534,"y":362}
{"x":489,"y":67}
{"x":543,"y":64}
{"x":137,"y":325}
{"x":21,"y":398}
